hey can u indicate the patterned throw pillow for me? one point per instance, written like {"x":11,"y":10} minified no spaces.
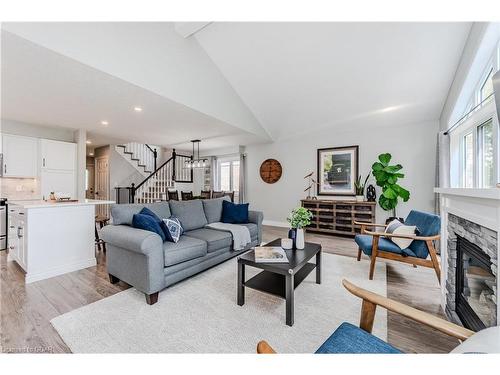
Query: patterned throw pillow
{"x":396,"y":227}
{"x":174,"y":229}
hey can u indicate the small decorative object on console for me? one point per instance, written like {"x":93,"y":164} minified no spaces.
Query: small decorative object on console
{"x":360,"y":188}
{"x":371,"y":195}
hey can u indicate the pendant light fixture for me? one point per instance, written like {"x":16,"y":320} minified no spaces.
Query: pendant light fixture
{"x":196,"y":161}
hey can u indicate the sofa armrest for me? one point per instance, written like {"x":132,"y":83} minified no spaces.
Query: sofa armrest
{"x":255,"y":217}
{"x":132,"y":239}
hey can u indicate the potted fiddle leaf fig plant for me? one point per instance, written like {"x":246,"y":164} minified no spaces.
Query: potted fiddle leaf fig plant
{"x":387,"y":177}
{"x":299,"y":218}
{"x":360,"y":188}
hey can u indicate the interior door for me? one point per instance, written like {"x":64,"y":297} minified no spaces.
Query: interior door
{"x":102,"y":184}
{"x":90,"y":191}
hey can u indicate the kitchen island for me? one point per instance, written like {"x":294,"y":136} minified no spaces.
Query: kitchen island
{"x":48,"y":239}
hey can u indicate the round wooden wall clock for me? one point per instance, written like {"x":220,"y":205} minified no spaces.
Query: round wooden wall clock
{"x":270,"y":171}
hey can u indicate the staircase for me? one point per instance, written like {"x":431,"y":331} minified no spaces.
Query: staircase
{"x":156,"y":184}
{"x":141,"y":156}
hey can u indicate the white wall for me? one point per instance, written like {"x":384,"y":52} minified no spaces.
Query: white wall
{"x":38,"y":131}
{"x":413,"y":146}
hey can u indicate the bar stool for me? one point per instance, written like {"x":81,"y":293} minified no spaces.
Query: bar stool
{"x":101,"y":221}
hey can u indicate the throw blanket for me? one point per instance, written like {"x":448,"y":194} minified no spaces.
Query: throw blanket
{"x":240,"y":233}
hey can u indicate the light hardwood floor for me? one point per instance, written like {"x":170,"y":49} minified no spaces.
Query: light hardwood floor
{"x":26,"y":310}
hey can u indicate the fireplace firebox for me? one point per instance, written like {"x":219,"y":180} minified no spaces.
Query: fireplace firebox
{"x":475,"y":286}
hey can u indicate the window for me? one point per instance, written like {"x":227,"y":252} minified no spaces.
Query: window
{"x":228,"y":172}
{"x":486,"y":88}
{"x":86,"y":179}
{"x":468,"y":179}
{"x":486,"y":143}
{"x":474,"y":143}
{"x":479,"y":155}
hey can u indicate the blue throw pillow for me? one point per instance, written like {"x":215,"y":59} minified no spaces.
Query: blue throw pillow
{"x":147,"y":222}
{"x":148,"y":212}
{"x":174,"y":229}
{"x":234,"y":213}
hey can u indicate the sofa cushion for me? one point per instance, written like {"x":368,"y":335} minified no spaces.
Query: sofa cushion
{"x":124,"y":213}
{"x":190,"y":213}
{"x":215,"y":239}
{"x":234,"y":213}
{"x":185,"y":249}
{"x":364,"y":242}
{"x":349,"y":339}
{"x":213,"y":209}
{"x":149,"y":223}
{"x":254,"y":230}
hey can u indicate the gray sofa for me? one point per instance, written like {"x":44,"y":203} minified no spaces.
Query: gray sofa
{"x":141,"y":259}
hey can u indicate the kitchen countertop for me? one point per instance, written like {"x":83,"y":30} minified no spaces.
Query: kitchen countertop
{"x":45,"y":204}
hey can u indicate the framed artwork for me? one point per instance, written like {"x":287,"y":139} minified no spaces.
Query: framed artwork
{"x":337,"y":170}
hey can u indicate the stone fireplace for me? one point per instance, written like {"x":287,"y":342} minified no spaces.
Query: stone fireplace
{"x":469,"y":255}
{"x":471,"y":283}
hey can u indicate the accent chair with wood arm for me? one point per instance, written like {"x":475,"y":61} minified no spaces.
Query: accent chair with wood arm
{"x":378,"y":244}
{"x":349,"y":339}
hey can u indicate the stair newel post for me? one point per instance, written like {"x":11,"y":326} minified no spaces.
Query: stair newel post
{"x":132,"y":193}
{"x":174,"y":160}
{"x":155,"y":154}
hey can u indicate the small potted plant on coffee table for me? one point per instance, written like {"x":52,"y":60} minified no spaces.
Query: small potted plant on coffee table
{"x":299,"y":218}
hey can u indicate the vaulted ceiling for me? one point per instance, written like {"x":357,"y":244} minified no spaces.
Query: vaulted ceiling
{"x":298,"y":77}
{"x":227,"y":83}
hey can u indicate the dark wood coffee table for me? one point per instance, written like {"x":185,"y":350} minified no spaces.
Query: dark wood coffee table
{"x":280,"y":279}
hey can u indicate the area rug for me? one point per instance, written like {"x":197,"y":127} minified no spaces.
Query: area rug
{"x":200,"y":315}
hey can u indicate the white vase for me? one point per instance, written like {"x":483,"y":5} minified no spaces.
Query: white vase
{"x":299,"y":239}
{"x":360,"y":198}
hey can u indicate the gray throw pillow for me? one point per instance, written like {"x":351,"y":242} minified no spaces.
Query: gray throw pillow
{"x":190,"y":214}
{"x":213,"y":209}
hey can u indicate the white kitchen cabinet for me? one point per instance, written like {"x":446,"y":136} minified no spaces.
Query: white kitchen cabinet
{"x":17,"y":242}
{"x":20,"y":156}
{"x":58,"y":167}
{"x":50,"y":239}
{"x":57,"y":155}
{"x":57,"y":181}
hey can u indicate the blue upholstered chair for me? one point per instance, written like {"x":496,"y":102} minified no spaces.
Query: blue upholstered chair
{"x":378,"y":244}
{"x":350,"y":339}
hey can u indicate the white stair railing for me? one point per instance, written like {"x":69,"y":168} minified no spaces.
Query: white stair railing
{"x":155,"y":187}
{"x":142,"y":153}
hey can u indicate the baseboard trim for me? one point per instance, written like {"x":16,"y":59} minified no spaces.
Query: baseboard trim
{"x":60,"y":270}
{"x":272,"y":223}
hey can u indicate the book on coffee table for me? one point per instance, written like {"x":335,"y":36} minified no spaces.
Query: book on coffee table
{"x":270,"y":254}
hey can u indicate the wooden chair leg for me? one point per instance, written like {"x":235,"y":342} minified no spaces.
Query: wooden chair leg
{"x":367,"y":316}
{"x":374,"y":256}
{"x":435,"y":262}
{"x":359,"y":254}
{"x":151,"y":299}
{"x":113,"y":279}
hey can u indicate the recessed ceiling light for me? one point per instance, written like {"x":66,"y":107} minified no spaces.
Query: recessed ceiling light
{"x":104,"y":123}
{"x":89,"y":142}
{"x":138,"y":109}
{"x":91,"y":154}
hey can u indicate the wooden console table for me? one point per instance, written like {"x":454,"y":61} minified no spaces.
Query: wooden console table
{"x":337,"y":217}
